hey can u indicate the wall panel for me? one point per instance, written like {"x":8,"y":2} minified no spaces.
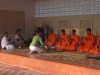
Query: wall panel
{"x":10,"y":20}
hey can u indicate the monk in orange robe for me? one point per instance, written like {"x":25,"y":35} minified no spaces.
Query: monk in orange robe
{"x":74,"y":42}
{"x":97,"y":48}
{"x":64,"y":40}
{"x":88,"y":43}
{"x":52,"y":39}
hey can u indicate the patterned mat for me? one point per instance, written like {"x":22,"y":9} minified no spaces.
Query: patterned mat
{"x":67,"y":57}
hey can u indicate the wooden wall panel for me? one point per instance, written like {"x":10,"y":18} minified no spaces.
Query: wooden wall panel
{"x":64,"y":25}
{"x":10,"y":20}
{"x":85,"y":24}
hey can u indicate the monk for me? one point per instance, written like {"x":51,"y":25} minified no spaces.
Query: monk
{"x":63,"y":42}
{"x":52,"y":39}
{"x":97,"y":49}
{"x":74,"y":42}
{"x":88,"y":43}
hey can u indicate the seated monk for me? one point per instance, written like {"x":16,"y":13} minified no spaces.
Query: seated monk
{"x":96,"y":50}
{"x":88,"y":43}
{"x":74,"y":42}
{"x":52,"y":39}
{"x":63,"y":42}
{"x":98,"y":46}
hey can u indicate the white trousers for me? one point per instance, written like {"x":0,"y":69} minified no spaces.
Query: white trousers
{"x":9,"y":47}
{"x":34,"y":48}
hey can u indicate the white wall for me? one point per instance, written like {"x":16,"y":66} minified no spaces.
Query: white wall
{"x":74,"y":22}
{"x":31,"y":21}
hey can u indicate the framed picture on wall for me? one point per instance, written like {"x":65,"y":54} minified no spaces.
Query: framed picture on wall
{"x":64,"y":25}
{"x":85,"y":23}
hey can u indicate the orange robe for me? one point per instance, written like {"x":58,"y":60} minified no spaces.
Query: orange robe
{"x":52,"y":40}
{"x":73,"y":44}
{"x":88,"y":44}
{"x":97,"y":48}
{"x":63,"y":42}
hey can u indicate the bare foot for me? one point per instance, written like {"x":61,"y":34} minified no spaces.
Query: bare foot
{"x":31,"y":52}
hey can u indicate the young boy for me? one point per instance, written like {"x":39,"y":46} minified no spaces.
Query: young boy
{"x":19,"y":42}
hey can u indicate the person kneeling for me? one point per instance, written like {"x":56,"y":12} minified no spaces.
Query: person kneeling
{"x":37,"y":44}
{"x":5,"y":42}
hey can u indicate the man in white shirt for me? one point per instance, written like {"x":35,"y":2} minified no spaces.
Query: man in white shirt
{"x":5,"y":42}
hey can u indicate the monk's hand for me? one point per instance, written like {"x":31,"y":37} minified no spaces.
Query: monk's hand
{"x":70,"y":42}
{"x":72,"y":39}
{"x":97,"y":50}
{"x":82,"y":43}
{"x":78,"y":49}
{"x":99,"y":42}
{"x":97,"y":46}
{"x":86,"y":39}
{"x":60,"y":40}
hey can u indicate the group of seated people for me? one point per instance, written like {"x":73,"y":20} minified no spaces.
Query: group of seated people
{"x":88,"y":44}
{"x":6,"y":41}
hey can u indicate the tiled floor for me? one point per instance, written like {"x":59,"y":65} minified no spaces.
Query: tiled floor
{"x":11,"y":70}
{"x":74,"y":58}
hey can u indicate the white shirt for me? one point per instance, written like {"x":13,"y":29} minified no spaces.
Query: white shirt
{"x":4,"y":42}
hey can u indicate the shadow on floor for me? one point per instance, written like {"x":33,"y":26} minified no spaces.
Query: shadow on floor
{"x":96,"y":57}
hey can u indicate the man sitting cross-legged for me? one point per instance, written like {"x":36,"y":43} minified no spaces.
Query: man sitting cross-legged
{"x":88,"y":43}
{"x":63,"y":42}
{"x":19,"y":41}
{"x":52,"y":40}
{"x":96,"y":50}
{"x":5,"y":42}
{"x":74,"y":42}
